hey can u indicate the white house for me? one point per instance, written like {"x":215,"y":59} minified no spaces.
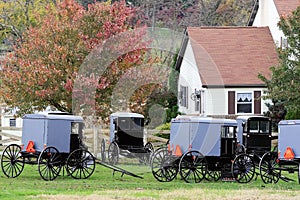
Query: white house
{"x":268,"y":13}
{"x":219,"y":69}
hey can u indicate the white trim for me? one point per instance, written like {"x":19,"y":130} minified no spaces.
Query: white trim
{"x":252,"y":102}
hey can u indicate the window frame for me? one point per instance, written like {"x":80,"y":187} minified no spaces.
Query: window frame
{"x":236,"y":102}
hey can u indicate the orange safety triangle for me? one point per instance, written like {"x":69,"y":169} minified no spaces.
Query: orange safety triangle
{"x":178,"y":151}
{"x":30,"y":147}
{"x":289,"y":154}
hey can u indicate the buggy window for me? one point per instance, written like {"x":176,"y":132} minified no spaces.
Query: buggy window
{"x":124,"y":123}
{"x":130,"y":123}
{"x":77,"y":128}
{"x":259,"y":127}
{"x":136,"y":124}
{"x":228,"y":131}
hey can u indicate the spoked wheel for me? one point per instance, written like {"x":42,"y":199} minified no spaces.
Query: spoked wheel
{"x":49,"y":163}
{"x":103,"y":156}
{"x":12,"y":162}
{"x":113,"y":153}
{"x":243,"y":168}
{"x":164,"y":166}
{"x":80,"y":164}
{"x":269,"y":169}
{"x":193,"y":167}
{"x":150,"y":149}
{"x":212,"y":175}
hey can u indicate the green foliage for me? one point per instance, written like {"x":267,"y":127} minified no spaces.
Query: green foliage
{"x":17,"y":16}
{"x":293,"y":114}
{"x":165,"y":126}
{"x":284,"y":84}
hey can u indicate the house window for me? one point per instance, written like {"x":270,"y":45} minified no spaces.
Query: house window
{"x":183,"y":95}
{"x":244,"y":102}
{"x":197,"y":103}
{"x":12,"y":122}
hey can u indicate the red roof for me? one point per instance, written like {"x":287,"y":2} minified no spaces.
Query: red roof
{"x":233,"y":56}
{"x":285,"y":7}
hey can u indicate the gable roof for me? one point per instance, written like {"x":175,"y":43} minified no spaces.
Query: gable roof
{"x":232,"y":56}
{"x":285,"y":7}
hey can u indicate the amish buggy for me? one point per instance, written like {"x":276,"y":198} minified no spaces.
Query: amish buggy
{"x":51,"y":141}
{"x":54,"y":142}
{"x":255,"y":138}
{"x":201,"y":148}
{"x":127,"y":138}
{"x":287,"y":156}
{"x":207,"y":148}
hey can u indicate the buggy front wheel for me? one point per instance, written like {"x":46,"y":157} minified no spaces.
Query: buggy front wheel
{"x":49,"y":163}
{"x":193,"y":167}
{"x":149,"y":152}
{"x":269,"y":168}
{"x":164,"y":166}
{"x":243,"y":168}
{"x":80,"y":164}
{"x":12,"y":162}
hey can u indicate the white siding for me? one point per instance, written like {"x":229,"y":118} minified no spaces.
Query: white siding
{"x":267,"y":15}
{"x":216,"y":100}
{"x":189,"y":77}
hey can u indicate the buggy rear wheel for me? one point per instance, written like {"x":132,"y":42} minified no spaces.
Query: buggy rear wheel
{"x":164,"y":166}
{"x":243,"y":168}
{"x":269,"y":168}
{"x":12,"y":162}
{"x":80,"y":164}
{"x":113,"y":153}
{"x":193,"y":167}
{"x":49,"y":163}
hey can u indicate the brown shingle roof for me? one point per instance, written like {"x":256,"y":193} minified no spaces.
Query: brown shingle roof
{"x":285,"y":7}
{"x":232,"y":56}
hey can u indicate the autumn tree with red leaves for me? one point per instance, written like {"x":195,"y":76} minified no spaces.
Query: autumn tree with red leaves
{"x":44,"y":68}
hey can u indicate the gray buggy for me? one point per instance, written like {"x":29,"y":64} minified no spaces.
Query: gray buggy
{"x":212,"y":149}
{"x":286,"y":157}
{"x":52,"y":141}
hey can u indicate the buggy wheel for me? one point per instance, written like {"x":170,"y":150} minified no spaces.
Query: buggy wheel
{"x":193,"y":167}
{"x":103,"y":156}
{"x":164,"y":166}
{"x":113,"y":153}
{"x":212,"y":175}
{"x":269,"y":168}
{"x":243,"y":168}
{"x":149,"y":152}
{"x":49,"y":163}
{"x":12,"y":162}
{"x":80,"y":164}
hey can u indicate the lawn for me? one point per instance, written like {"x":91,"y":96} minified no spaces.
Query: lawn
{"x":104,"y":185}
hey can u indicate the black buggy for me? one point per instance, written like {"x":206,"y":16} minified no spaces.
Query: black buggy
{"x":127,"y":138}
{"x":52,"y":141}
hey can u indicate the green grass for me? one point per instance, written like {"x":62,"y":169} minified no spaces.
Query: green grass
{"x":104,"y":184}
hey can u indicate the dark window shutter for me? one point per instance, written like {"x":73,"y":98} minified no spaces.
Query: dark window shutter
{"x":231,"y":102}
{"x":257,"y":102}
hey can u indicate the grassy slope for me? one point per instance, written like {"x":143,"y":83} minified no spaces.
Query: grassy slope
{"x":103,"y":185}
